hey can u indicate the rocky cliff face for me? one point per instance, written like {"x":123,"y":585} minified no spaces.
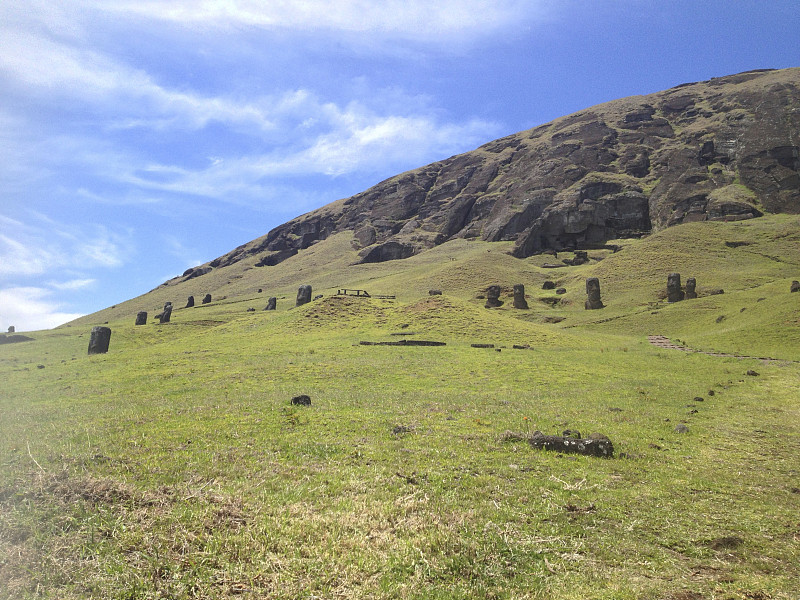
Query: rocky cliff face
{"x":723,"y":149}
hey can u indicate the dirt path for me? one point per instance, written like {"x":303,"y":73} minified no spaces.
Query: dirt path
{"x":661,"y":341}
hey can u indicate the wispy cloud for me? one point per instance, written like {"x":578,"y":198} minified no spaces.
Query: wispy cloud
{"x":432,"y":22}
{"x":29,"y":250}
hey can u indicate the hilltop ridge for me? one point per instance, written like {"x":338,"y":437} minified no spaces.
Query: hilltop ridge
{"x":723,"y":149}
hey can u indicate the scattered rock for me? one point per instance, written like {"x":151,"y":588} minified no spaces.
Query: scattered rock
{"x":752,"y":373}
{"x":572,"y":433}
{"x":681,"y":428}
{"x":301,"y":400}
{"x":318,"y":297}
{"x":720,"y":318}
{"x":674,"y":291}
{"x":493,"y":297}
{"x":434,"y":292}
{"x":482,"y":345}
{"x":99,"y":340}
{"x":521,"y":347}
{"x":561,"y":291}
{"x":303,"y":295}
{"x":40,"y":366}
{"x":251,"y":309}
{"x":593,"y":301}
{"x":141,"y":317}
{"x":519,"y":297}
{"x":549,"y":285}
{"x":601,"y":447}
{"x":699,"y":399}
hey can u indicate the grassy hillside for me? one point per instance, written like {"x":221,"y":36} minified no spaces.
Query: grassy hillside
{"x":175,"y":466}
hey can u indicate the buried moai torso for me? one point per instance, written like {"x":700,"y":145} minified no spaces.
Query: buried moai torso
{"x":303,"y":295}
{"x":691,"y":288}
{"x":493,"y":297}
{"x":674,"y":291}
{"x":593,"y":302}
{"x":519,"y":296}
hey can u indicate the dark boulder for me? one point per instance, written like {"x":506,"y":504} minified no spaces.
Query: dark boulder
{"x":561,"y":291}
{"x":99,"y":340}
{"x":519,"y":297}
{"x":549,"y":285}
{"x":301,"y":400}
{"x":434,"y":292}
{"x":303,"y":295}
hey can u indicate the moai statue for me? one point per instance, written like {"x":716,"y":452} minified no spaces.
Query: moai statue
{"x":674,"y":291}
{"x":271,"y":303}
{"x":493,"y":297}
{"x":691,"y":292}
{"x":165,"y":315}
{"x":795,"y":288}
{"x":12,"y":329}
{"x":593,"y":302}
{"x":99,"y":340}
{"x":303,"y":295}
{"x":207,"y":299}
{"x":141,"y":317}
{"x":519,"y":296}
{"x":190,"y":302}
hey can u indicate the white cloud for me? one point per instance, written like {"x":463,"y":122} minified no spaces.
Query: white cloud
{"x":30,"y":309}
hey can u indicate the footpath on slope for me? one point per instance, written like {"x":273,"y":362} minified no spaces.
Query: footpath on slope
{"x":661,"y":341}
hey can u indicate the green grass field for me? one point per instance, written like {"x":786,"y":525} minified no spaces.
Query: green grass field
{"x":175,"y":466}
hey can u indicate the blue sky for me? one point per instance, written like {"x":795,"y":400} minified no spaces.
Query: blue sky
{"x":143,"y":137}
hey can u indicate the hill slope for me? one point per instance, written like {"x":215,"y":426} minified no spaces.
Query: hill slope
{"x":723,"y":149}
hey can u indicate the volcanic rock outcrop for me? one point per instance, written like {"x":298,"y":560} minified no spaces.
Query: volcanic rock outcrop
{"x":723,"y":149}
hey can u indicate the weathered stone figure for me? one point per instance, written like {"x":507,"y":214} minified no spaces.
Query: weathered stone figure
{"x":206,"y":298}
{"x":303,"y":295}
{"x":141,"y":317}
{"x":691,"y":291}
{"x":593,"y":302}
{"x":99,"y":340}
{"x":190,"y":302}
{"x":271,"y":303}
{"x":795,"y":288}
{"x":12,"y":329}
{"x":519,"y":296}
{"x":165,"y":315}
{"x":493,"y":297}
{"x":674,"y":291}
